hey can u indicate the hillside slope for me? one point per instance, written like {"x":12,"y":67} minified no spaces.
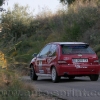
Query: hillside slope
{"x":22,"y":34}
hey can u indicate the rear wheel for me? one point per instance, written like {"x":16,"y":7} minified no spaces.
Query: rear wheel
{"x":54,"y":75}
{"x":33,"y":75}
{"x":94,"y":77}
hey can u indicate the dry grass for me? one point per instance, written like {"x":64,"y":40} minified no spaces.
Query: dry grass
{"x":10,"y":81}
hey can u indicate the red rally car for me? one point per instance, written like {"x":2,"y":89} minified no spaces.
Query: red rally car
{"x":65,"y":59}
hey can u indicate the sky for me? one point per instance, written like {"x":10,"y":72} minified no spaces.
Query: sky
{"x":36,"y":5}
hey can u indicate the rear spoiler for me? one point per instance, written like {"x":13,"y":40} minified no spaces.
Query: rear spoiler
{"x":83,"y":45}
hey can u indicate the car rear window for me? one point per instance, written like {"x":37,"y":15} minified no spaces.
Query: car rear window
{"x":76,"y":49}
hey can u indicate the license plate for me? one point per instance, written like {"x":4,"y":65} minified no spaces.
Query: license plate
{"x":80,"y":60}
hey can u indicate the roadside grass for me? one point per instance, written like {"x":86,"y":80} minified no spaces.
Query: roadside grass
{"x":13,"y":88}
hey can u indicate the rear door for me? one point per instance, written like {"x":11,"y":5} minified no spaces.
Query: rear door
{"x":51,"y":58}
{"x":42,"y":59}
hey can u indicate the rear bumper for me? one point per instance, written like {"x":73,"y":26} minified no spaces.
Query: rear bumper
{"x":78,"y":69}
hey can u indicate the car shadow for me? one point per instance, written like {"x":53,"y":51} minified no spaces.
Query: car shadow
{"x":63,"y":80}
{"x":74,"y":80}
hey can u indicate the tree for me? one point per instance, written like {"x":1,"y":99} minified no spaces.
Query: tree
{"x":67,"y":1}
{"x":15,"y":23}
{"x":1,"y":2}
{"x":71,"y":1}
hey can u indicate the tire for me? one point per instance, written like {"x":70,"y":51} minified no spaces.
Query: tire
{"x":33,"y":75}
{"x":54,"y":75}
{"x":94,"y":77}
{"x":71,"y":77}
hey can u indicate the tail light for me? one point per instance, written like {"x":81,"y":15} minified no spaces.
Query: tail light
{"x":96,"y":61}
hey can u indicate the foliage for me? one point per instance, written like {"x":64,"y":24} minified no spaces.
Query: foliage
{"x":1,"y":5}
{"x":18,"y":18}
{"x":67,"y":1}
{"x":79,"y":18}
{"x":72,"y":1}
{"x":12,"y":88}
{"x":3,"y":61}
{"x":23,"y":34}
{"x":1,"y":2}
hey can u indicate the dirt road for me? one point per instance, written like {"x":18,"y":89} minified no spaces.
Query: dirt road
{"x":77,"y":89}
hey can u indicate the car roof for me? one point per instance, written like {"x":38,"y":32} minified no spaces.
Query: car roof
{"x":60,"y":43}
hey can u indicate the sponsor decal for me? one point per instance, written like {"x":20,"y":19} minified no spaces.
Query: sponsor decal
{"x":40,"y":64}
{"x":51,"y":59}
{"x":66,"y":58}
{"x":41,"y":71}
{"x":78,"y":66}
{"x":79,"y":55}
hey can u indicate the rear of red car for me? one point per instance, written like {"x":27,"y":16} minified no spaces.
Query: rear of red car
{"x":77,"y":59}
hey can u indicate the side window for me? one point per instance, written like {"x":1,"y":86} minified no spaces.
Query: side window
{"x":52,"y":51}
{"x":45,"y":51}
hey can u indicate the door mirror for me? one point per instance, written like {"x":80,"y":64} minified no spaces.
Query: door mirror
{"x":34,"y":55}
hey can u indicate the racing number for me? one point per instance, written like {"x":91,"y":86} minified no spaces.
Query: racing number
{"x":40,"y":63}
